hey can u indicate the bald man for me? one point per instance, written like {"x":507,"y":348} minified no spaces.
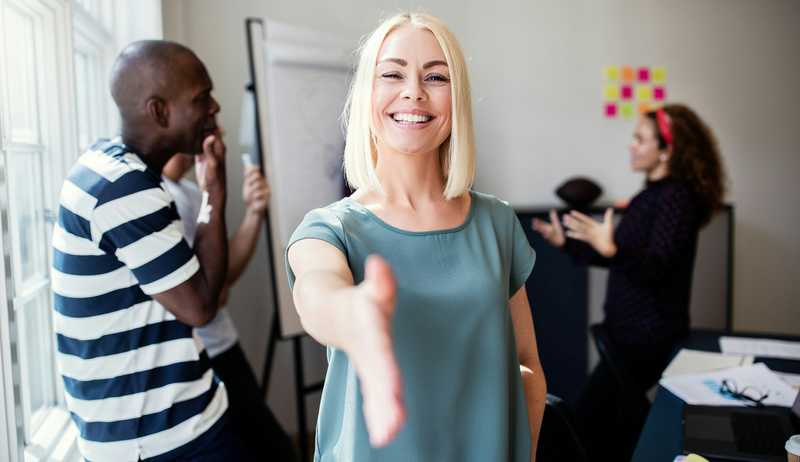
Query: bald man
{"x":128,"y":288}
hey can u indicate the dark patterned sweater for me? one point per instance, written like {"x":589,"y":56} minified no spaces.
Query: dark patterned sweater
{"x":650,"y":277}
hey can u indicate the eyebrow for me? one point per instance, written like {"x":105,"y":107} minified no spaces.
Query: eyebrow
{"x":205,"y":90}
{"x":403,"y":62}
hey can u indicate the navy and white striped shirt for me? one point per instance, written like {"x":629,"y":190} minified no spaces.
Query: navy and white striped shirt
{"x":137,"y":383}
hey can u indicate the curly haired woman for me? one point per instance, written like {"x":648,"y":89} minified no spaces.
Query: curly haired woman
{"x":650,"y":257}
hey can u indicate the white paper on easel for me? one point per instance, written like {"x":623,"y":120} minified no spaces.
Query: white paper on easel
{"x":695,"y":361}
{"x":763,"y":348}
{"x":247,"y":125}
{"x":704,"y":389}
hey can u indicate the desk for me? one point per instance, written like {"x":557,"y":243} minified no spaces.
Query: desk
{"x":662,"y":437}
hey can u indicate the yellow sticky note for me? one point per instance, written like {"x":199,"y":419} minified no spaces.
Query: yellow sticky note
{"x":659,"y":74}
{"x":611,"y":92}
{"x":611,"y":73}
{"x":644,"y":93}
{"x":644,"y":107}
{"x":695,"y":458}
{"x":626,"y":109}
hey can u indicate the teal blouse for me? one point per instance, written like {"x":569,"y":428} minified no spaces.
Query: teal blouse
{"x":453,"y":336}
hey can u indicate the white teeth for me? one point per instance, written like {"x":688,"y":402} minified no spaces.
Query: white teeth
{"x":415,"y":118}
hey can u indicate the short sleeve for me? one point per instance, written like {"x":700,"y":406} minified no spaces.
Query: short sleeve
{"x":523,"y":257}
{"x":320,"y":224}
{"x":145,"y":233}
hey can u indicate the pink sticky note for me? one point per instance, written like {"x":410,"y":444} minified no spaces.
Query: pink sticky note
{"x":627,"y":92}
{"x":659,"y":93}
{"x":644,"y":74}
{"x":611,"y":110}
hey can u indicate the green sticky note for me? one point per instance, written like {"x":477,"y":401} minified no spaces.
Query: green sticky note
{"x":644,"y":93}
{"x":611,"y":73}
{"x":611,"y":92}
{"x":626,"y":110}
{"x":659,"y":74}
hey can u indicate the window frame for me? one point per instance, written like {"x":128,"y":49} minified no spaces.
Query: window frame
{"x":98,"y":36}
{"x":48,"y":133}
{"x":27,"y":433}
{"x":94,"y":38}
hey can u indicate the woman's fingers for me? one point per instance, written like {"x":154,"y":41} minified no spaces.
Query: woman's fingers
{"x":581,"y":217}
{"x":578,"y":236}
{"x":555,"y":222}
{"x":378,"y":274}
{"x":384,"y":410}
{"x":542,"y":227}
{"x":573,"y":224}
{"x":375,"y":361}
{"x":381,"y":382}
{"x":609,"y":216}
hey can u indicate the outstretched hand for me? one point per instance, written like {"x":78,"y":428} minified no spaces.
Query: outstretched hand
{"x":373,"y":356}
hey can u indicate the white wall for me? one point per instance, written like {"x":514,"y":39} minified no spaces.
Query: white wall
{"x":535,"y":69}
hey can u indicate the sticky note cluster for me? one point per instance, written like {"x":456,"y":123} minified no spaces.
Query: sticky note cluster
{"x":631,"y":90}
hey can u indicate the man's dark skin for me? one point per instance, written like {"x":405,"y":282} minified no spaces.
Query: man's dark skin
{"x":163,"y":93}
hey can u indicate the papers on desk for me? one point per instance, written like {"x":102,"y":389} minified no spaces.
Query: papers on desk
{"x":791,"y":379}
{"x":695,"y":361}
{"x":704,"y":389}
{"x":765,"y":348}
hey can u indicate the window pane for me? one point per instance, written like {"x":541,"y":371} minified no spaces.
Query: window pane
{"x":35,"y":347}
{"x":27,"y":218}
{"x":21,"y":89}
{"x":107,"y":16}
{"x":82,"y":93}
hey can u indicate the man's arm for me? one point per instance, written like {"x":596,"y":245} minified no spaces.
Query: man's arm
{"x":195,"y":302}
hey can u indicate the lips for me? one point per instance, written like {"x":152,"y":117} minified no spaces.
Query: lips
{"x":210,"y":130}
{"x":411,"y":118}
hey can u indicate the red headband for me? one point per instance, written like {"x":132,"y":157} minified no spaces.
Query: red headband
{"x":664,"y":125}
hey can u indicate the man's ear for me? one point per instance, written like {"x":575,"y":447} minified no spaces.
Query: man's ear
{"x":158,"y":111}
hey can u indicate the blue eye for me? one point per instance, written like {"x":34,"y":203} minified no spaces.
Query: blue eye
{"x":437,"y":78}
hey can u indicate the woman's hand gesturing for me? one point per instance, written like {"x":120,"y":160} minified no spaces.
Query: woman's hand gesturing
{"x":552,"y":232}
{"x":599,"y":235}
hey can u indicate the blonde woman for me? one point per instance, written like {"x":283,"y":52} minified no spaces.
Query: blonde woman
{"x":416,"y":283}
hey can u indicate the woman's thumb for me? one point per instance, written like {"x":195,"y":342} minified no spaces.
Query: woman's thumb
{"x":380,"y":278}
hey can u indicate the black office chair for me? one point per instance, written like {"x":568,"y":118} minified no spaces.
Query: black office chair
{"x":558,"y":440}
{"x":612,"y":359}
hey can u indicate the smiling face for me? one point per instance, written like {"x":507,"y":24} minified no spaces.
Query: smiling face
{"x":644,"y":147}
{"x":411,"y":97}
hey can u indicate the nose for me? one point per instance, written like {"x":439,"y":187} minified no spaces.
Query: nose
{"x":413,"y":90}
{"x":214,"y":106}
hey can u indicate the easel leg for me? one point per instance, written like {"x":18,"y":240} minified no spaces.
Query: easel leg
{"x":301,"y":398}
{"x":273,"y":339}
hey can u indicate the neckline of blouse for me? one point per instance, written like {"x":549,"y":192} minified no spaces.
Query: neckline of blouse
{"x":395,"y":229}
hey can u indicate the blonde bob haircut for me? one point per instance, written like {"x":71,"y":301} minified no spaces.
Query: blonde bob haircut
{"x":457,"y":152}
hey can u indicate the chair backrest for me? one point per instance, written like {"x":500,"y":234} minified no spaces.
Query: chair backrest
{"x":611,"y":358}
{"x":606,"y":350}
{"x":558,"y":439}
